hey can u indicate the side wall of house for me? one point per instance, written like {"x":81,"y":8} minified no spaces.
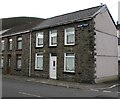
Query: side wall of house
{"x":106,"y":48}
{"x":83,"y":50}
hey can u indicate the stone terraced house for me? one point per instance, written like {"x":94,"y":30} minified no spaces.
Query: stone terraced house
{"x":80,"y":46}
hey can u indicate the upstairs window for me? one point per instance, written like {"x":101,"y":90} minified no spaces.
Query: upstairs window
{"x":39,"y":39}
{"x":69,"y":62}
{"x":53,"y":38}
{"x":2,"y":45}
{"x":39,"y":62}
{"x":69,"y":36}
{"x":10,"y":44}
{"x":19,"y":43}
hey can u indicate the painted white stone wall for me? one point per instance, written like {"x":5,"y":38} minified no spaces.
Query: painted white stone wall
{"x":106,"y":48}
{"x":119,"y":52}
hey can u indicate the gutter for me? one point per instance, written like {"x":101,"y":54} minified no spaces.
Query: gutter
{"x":23,"y":32}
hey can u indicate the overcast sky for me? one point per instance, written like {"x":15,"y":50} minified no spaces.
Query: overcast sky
{"x":50,"y":8}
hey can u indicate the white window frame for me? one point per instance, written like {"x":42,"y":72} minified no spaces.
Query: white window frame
{"x":65,"y":56}
{"x":2,"y":45}
{"x":52,"y":35}
{"x":38,"y":56}
{"x":65,"y":36}
{"x":38,"y":36}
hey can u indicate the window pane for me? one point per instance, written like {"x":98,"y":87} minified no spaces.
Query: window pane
{"x":39,"y":62}
{"x":70,"y":30}
{"x":10,"y":45}
{"x":53,"y":37}
{"x":40,"y":41}
{"x":20,"y":45}
{"x":70,"y":64}
{"x":19,"y":64}
{"x":40,"y":35}
{"x":54,"y":40}
{"x":2,"y":44}
{"x":70,"y":38}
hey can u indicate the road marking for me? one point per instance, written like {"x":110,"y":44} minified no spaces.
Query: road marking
{"x":29,"y":94}
{"x":107,"y":91}
{"x":30,"y":79}
{"x":109,"y":87}
{"x":94,"y":90}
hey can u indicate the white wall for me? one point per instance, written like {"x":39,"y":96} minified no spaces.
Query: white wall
{"x":106,"y":48}
{"x":119,"y":52}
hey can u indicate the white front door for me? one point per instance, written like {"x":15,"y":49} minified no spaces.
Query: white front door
{"x":53,"y":67}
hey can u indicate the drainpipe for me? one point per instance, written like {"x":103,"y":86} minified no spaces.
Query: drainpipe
{"x":30,"y":53}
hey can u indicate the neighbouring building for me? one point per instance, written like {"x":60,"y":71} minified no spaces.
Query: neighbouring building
{"x":80,"y":46}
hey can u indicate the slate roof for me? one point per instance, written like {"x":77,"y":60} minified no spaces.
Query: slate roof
{"x":68,"y":18}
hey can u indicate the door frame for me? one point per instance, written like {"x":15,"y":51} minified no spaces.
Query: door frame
{"x":50,"y":62}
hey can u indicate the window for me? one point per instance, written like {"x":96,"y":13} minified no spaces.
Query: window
{"x":39,"y":39}
{"x":70,"y":36}
{"x":39,"y":62}
{"x":69,"y":62}
{"x":19,"y":62}
{"x":53,"y":38}
{"x":2,"y":45}
{"x":9,"y":61}
{"x":2,"y":59}
{"x":10,"y":44}
{"x":19,"y":43}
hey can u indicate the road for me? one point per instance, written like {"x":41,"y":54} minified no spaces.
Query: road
{"x":19,"y":88}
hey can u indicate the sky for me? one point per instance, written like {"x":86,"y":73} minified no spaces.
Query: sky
{"x":51,"y":8}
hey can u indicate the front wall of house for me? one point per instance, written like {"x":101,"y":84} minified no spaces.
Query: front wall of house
{"x":13,"y":53}
{"x":83,"y":50}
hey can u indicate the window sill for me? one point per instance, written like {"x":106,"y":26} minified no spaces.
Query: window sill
{"x":69,"y":44}
{"x":52,"y":45}
{"x":39,"y":46}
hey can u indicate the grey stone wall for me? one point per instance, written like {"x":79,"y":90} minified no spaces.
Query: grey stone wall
{"x":14,"y":52}
{"x":83,"y":49}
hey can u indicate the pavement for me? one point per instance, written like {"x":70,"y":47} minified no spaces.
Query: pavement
{"x":83,"y":86}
